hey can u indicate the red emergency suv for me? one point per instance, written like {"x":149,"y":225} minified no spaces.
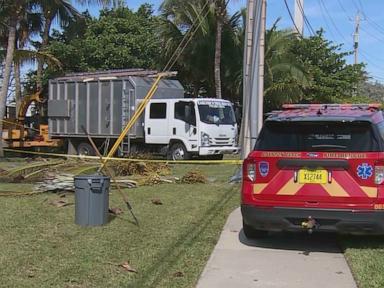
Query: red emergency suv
{"x":316,"y":167}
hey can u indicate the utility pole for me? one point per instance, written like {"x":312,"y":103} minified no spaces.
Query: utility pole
{"x":356,"y":36}
{"x":299,"y":16}
{"x":253,"y":83}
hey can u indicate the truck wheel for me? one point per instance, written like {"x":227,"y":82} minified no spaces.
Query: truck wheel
{"x":178,"y":152}
{"x":252,"y":233}
{"x":85,"y":149}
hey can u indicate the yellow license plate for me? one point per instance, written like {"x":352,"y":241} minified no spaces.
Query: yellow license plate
{"x":313,"y":176}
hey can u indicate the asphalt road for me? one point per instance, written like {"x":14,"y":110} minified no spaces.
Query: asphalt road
{"x":284,"y":260}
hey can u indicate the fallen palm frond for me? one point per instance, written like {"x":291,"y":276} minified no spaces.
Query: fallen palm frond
{"x":30,"y":168}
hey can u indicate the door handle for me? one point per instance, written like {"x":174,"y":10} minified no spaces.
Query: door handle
{"x":149,"y":131}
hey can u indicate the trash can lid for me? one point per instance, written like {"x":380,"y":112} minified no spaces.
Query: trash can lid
{"x":91,"y":177}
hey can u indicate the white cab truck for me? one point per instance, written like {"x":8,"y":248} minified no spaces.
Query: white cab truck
{"x":103,"y":103}
{"x":192,"y":127}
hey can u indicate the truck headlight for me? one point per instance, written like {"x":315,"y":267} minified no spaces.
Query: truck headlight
{"x":204,"y":139}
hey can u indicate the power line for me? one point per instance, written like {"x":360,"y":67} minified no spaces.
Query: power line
{"x":370,"y":61}
{"x":332,"y":21}
{"x":372,"y":35}
{"x":306,"y":21}
{"x":290,"y":15}
{"x":365,"y":30}
{"x":361,"y":6}
{"x":326,"y":22}
{"x":374,"y":24}
{"x":342,"y":8}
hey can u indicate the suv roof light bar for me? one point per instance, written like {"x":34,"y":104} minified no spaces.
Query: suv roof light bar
{"x":325,"y":106}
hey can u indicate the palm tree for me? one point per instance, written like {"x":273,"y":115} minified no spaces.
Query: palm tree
{"x":212,"y":17}
{"x":60,"y":11}
{"x":200,"y":64}
{"x":285,"y":77}
{"x":220,"y":7}
{"x":29,"y":25}
{"x":11,"y":12}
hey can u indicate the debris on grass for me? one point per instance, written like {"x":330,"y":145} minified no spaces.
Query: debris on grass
{"x":56,"y":183}
{"x":194,"y":176}
{"x":156,"y":201}
{"x":60,"y":203}
{"x":128,"y":267}
{"x":178,"y":274}
{"x":59,"y":182}
{"x":18,"y":179}
{"x":125,"y":265}
{"x":115,"y":211}
{"x":129,"y":168}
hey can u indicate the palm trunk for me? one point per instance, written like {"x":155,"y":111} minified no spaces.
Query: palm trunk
{"x":44,"y":44}
{"x":17,"y":86}
{"x":7,"y":75}
{"x":219,"y":31}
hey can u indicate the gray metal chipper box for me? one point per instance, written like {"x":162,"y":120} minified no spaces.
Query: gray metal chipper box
{"x":102,"y":102}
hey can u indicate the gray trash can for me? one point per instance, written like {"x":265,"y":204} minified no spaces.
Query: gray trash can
{"x":91,"y":200}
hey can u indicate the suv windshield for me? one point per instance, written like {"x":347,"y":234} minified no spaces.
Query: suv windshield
{"x":317,"y":136}
{"x":217,"y":113}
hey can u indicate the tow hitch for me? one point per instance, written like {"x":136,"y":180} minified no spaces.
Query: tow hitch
{"x":310,"y":224}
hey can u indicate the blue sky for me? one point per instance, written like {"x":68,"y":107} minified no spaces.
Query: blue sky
{"x":336,"y":17}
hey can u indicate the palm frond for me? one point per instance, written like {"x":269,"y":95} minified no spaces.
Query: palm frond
{"x":30,"y":57}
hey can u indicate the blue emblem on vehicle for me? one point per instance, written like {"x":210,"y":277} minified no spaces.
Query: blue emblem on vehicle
{"x":263,"y":168}
{"x":364,"y":171}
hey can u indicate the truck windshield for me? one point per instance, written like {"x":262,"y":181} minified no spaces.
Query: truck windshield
{"x":317,"y":136}
{"x":217,"y":113}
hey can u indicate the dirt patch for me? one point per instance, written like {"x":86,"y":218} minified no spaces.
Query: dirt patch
{"x":194,"y":176}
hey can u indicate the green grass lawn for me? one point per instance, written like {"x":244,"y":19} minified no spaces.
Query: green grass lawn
{"x":365,"y":256}
{"x":42,"y":247}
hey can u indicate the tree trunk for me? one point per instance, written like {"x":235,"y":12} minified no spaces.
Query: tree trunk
{"x":44,"y":44}
{"x":219,"y":31}
{"x":7,"y":75}
{"x":17,"y":86}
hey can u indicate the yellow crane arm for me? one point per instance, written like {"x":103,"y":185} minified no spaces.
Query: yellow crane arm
{"x":26,"y":102}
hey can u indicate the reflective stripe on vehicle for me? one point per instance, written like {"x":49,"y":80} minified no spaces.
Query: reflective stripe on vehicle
{"x":341,"y":185}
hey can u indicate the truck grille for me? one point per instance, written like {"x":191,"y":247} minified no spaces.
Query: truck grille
{"x":220,"y":141}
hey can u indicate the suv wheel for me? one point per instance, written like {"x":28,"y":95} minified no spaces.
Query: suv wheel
{"x":178,"y":152}
{"x":252,"y":233}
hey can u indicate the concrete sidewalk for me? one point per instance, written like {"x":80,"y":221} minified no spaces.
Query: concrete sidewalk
{"x":280,"y":260}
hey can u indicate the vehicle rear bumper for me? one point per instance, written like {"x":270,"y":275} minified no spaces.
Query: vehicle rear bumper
{"x":203,"y":151}
{"x":327,"y":220}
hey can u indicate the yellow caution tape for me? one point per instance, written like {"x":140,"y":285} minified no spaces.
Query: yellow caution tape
{"x":226,"y":162}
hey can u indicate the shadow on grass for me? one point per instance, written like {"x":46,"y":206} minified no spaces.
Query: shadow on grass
{"x":297,"y":241}
{"x":169,"y":257}
{"x":361,"y":242}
